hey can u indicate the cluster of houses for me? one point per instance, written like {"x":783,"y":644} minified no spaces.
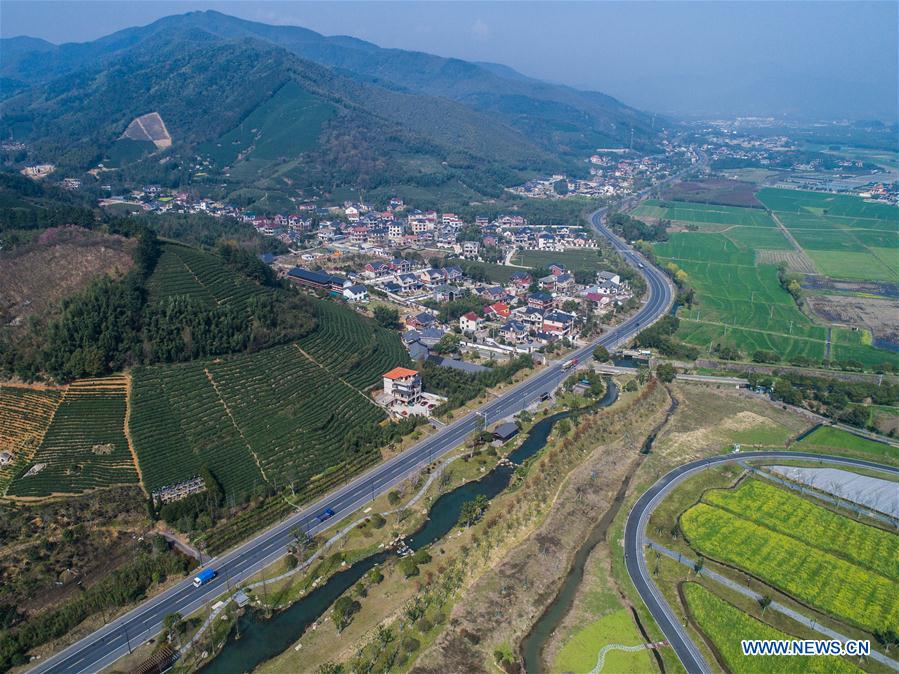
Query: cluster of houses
{"x":519,"y":316}
{"x":525,"y":312}
{"x":614,"y":172}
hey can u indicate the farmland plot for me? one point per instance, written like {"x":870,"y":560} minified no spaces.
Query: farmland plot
{"x":25,"y":415}
{"x":579,"y":260}
{"x":846,"y":236}
{"x":742,"y":303}
{"x":179,"y":425}
{"x":783,"y":511}
{"x":800,"y":567}
{"x":84,"y":447}
{"x":819,"y":202}
{"x":682,"y":211}
{"x":725,"y":626}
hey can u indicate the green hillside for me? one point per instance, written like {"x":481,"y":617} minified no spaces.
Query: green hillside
{"x":555,"y":117}
{"x":288,"y":414}
{"x":286,"y":125}
{"x":280,"y":124}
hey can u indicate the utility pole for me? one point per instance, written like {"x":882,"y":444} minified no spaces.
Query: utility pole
{"x":127,"y":639}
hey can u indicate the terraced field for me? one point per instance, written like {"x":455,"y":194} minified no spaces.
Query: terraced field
{"x":25,"y":415}
{"x":352,"y":347}
{"x":284,"y":126}
{"x":825,"y":560}
{"x":172,"y":277}
{"x":725,"y":625}
{"x":289,"y":414}
{"x":179,"y":424}
{"x":182,"y":270}
{"x":284,"y":414}
{"x":305,"y":433}
{"x":84,"y":446}
{"x":275,"y":416}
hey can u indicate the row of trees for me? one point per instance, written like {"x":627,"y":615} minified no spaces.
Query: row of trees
{"x":632,"y":229}
{"x":659,"y":336}
{"x":459,"y":387}
{"x":842,"y":400}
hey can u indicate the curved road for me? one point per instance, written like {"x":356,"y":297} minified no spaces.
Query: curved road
{"x":109,"y":643}
{"x":635,"y":543}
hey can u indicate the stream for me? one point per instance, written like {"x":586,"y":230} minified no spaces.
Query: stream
{"x":262,"y":639}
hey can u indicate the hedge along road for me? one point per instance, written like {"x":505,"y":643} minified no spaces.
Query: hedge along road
{"x":119,"y":637}
{"x":635,"y":542}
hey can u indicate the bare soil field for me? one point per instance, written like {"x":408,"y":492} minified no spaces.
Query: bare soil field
{"x":149,"y":127}
{"x":41,"y":565}
{"x":62,"y":262}
{"x":880,"y":289}
{"x":714,"y":191}
{"x":874,"y":314}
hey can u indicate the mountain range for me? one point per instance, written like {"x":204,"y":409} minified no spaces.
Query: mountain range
{"x":254,"y":109}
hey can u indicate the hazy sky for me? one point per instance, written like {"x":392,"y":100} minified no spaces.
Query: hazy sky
{"x":705,"y":58}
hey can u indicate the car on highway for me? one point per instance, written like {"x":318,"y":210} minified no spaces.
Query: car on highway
{"x":325,"y":514}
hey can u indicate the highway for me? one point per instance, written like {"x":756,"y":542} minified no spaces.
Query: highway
{"x":635,"y":543}
{"x":119,"y":637}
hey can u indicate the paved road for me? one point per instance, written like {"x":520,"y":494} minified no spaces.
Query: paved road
{"x":114,"y":640}
{"x":635,"y":543}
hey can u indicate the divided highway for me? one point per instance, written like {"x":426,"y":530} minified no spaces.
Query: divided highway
{"x":635,"y":543}
{"x":119,"y":637}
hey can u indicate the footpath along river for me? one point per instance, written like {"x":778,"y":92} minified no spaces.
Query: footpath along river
{"x":262,"y":639}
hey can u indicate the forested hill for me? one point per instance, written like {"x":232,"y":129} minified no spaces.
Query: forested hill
{"x":559,"y":116}
{"x":249,"y":103}
{"x":256,"y":107}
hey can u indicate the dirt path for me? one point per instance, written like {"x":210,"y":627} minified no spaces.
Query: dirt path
{"x":127,"y":432}
{"x":786,"y":232}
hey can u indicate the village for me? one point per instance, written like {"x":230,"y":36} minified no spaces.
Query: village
{"x":614,"y":173}
{"x":448,"y":318}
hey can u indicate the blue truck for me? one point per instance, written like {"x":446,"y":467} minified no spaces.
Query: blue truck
{"x":325,"y":514}
{"x":204,"y":577}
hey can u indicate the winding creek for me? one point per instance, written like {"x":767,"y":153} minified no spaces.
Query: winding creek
{"x":535,"y":642}
{"x":262,"y":639}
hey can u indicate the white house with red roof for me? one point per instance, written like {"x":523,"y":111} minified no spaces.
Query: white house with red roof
{"x":469,"y":322}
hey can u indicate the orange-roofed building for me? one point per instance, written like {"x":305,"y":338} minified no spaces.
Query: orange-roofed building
{"x":403,"y":385}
